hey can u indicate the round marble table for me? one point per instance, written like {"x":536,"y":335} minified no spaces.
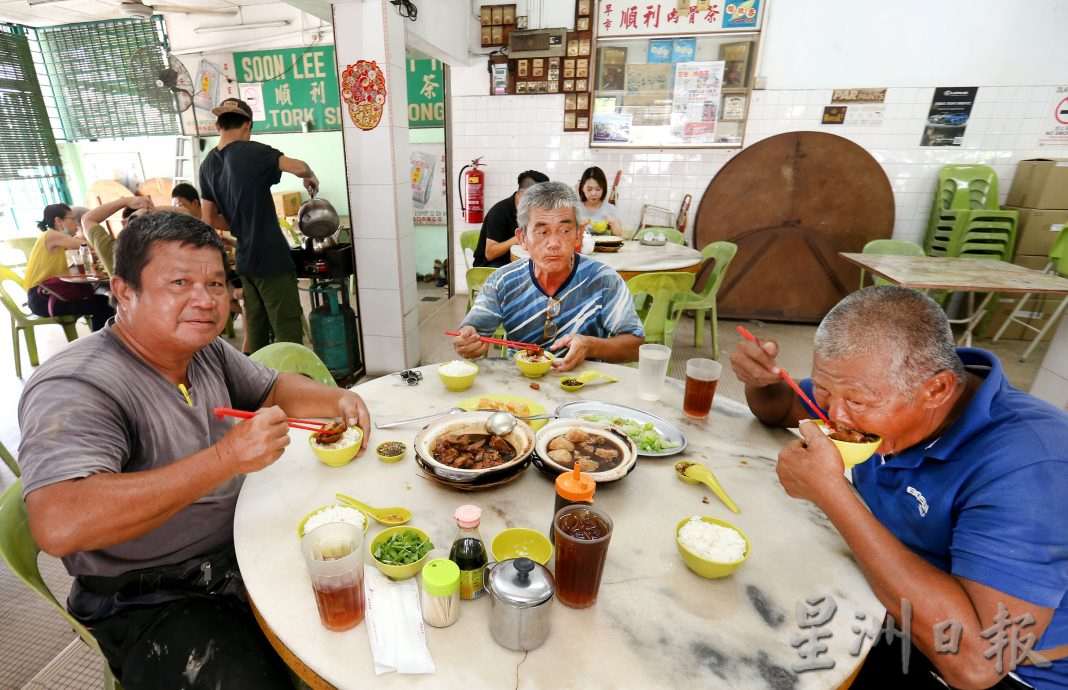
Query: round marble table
{"x":636,"y":258}
{"x":655,"y":623}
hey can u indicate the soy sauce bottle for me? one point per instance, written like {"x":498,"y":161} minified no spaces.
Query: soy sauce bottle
{"x":468,"y":552}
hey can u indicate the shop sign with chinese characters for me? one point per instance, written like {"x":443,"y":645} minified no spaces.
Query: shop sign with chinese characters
{"x":426,"y":94}
{"x":298,"y":87}
{"x":618,"y":18}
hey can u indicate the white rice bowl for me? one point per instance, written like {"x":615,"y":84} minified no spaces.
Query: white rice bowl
{"x":335,"y":513}
{"x":712,"y":542}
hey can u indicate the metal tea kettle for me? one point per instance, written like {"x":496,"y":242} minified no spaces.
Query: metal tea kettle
{"x":318,"y":219}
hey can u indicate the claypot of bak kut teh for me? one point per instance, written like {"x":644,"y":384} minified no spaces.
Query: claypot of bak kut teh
{"x":444,"y":466}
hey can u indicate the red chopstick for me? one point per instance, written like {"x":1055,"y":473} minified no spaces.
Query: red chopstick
{"x":497,"y":341}
{"x":306,"y":424}
{"x":786,"y":377}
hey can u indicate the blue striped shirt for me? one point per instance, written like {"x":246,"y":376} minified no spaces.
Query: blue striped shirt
{"x":593,"y":301}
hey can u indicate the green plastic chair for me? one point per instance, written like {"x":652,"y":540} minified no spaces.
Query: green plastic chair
{"x":24,"y":322}
{"x":890,"y":248}
{"x":476,"y":278}
{"x":19,"y":551}
{"x":1058,"y":264}
{"x":9,"y":460}
{"x":23,"y":245}
{"x":469,"y":240}
{"x":704,"y":302}
{"x":670,"y":234}
{"x":657,"y":293}
{"x":295,"y":359}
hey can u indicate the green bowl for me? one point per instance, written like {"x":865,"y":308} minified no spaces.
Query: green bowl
{"x":520,"y":542}
{"x":704,"y":567}
{"x":336,"y":457}
{"x":398,"y":572}
{"x":533,"y":369}
{"x":852,"y":453}
{"x":458,"y":383}
{"x":391,"y":458}
{"x":300,"y":527}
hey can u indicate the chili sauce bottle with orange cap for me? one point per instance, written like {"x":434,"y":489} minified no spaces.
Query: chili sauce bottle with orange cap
{"x":571,"y":488}
{"x":469,"y":552}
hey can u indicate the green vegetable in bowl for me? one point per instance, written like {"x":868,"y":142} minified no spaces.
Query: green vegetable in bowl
{"x":644,"y":436}
{"x":402,"y":548}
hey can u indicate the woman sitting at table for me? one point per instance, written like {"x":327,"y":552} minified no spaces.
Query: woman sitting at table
{"x":596,"y":215}
{"x":59,"y":232}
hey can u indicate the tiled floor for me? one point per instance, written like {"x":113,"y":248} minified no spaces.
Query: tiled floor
{"x":34,"y":638}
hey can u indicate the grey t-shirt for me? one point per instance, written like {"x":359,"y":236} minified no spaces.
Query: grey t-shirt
{"x":96,"y":407}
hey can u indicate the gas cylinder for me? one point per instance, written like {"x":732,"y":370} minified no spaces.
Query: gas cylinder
{"x":333,"y":329}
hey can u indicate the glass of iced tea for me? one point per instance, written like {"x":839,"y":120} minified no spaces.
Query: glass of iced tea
{"x":702,"y":376}
{"x":582,"y":535}
{"x":333,"y":553}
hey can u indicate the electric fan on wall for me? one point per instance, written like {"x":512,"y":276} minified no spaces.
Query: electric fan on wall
{"x":161,"y":79}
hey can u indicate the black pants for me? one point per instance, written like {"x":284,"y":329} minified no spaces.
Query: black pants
{"x":196,"y":642}
{"x":97,"y":307}
{"x":882,"y":670}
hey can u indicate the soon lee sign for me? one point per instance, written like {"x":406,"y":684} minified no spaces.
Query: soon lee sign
{"x":299,"y":87}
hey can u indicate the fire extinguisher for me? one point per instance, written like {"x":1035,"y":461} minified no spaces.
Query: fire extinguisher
{"x":473,"y":191}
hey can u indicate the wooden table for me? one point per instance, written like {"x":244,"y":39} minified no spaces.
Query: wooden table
{"x":961,"y":275}
{"x":636,"y":258}
{"x":655,"y":624}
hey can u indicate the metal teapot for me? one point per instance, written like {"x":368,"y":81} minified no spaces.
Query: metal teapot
{"x":318,"y":219}
{"x":522,"y":593}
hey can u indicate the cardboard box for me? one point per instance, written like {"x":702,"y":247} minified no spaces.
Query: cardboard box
{"x":1040,"y":183}
{"x":1037,"y":311}
{"x":1037,"y":229}
{"x":286,"y":203}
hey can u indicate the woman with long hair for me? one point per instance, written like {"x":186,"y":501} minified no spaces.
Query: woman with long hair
{"x":595,"y":214}
{"x":59,"y":232}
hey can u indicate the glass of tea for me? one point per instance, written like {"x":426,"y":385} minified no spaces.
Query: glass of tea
{"x":582,"y":535}
{"x":333,"y":553}
{"x":702,"y":376}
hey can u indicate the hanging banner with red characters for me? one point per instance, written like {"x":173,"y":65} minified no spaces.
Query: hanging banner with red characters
{"x":363,"y":86}
{"x":652,"y":17}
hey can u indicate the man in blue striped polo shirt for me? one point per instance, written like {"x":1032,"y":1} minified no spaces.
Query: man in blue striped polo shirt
{"x":576,"y":307}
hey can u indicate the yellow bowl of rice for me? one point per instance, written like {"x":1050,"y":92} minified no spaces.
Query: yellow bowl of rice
{"x":332,"y":513}
{"x":458,"y":375}
{"x":342,"y":451}
{"x":709,"y":547}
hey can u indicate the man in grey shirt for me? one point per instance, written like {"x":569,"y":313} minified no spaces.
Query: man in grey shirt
{"x":132,"y":480}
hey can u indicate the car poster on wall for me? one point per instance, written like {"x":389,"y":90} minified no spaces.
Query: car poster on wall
{"x":950,"y":109}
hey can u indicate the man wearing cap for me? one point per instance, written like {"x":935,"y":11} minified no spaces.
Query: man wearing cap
{"x":236,"y":179}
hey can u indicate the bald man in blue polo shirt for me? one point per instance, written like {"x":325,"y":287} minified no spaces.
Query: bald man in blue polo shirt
{"x":966,"y":493}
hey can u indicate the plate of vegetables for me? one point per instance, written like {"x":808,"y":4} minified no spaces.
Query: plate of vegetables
{"x":652,"y":435}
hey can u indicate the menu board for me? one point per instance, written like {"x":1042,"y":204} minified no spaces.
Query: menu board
{"x":695,"y":106}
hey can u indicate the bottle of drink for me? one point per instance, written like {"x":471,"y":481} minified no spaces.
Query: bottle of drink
{"x":468,"y":552}
{"x":571,"y":488}
{"x":86,"y":255}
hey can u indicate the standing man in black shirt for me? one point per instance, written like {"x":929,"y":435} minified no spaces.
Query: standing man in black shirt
{"x":236,"y":179}
{"x":498,"y":230}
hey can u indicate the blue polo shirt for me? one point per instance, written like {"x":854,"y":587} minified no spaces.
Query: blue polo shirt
{"x":987,"y":500}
